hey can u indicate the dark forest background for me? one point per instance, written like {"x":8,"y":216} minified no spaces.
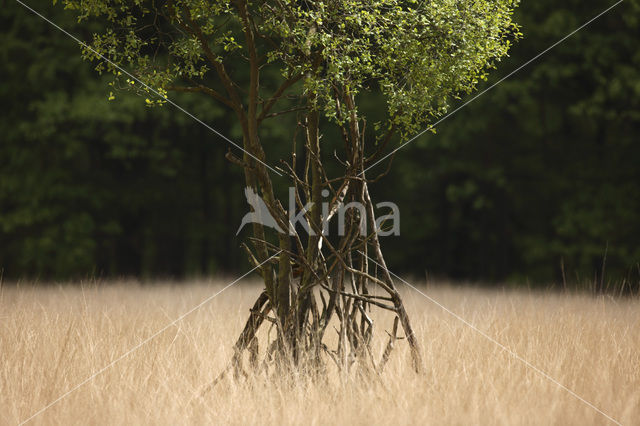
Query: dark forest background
{"x":536,"y":182}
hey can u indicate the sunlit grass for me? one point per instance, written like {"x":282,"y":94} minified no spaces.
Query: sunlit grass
{"x":53,"y":338}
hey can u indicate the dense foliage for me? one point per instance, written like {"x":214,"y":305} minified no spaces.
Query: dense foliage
{"x":539,"y":172}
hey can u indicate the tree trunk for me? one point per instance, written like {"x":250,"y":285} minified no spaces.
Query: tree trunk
{"x":336,"y":274}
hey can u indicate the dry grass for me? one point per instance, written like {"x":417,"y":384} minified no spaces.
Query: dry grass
{"x":53,"y":338}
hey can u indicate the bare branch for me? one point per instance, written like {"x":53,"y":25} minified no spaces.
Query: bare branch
{"x":277,"y":95}
{"x":202,"y":89}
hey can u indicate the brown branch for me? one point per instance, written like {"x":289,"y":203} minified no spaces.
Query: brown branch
{"x":397,"y":301}
{"x":386,"y":171}
{"x":202,"y":89}
{"x":277,"y":95}
{"x":382,"y":146}
{"x":193,"y":29}
{"x":390,"y":345}
{"x":361,"y":298}
{"x":276,"y":114}
{"x":235,"y":160}
{"x":246,"y":337}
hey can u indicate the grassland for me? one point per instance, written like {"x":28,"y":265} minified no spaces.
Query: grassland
{"x":53,"y":338}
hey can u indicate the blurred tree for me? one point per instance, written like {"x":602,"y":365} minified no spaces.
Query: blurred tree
{"x":92,"y":187}
{"x":543,"y":169}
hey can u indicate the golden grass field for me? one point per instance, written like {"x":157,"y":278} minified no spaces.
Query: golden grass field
{"x":53,"y":338}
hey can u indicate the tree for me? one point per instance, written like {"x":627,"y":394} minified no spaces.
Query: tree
{"x":325,"y":55}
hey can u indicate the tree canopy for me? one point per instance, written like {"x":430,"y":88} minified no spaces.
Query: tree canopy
{"x":418,"y":55}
